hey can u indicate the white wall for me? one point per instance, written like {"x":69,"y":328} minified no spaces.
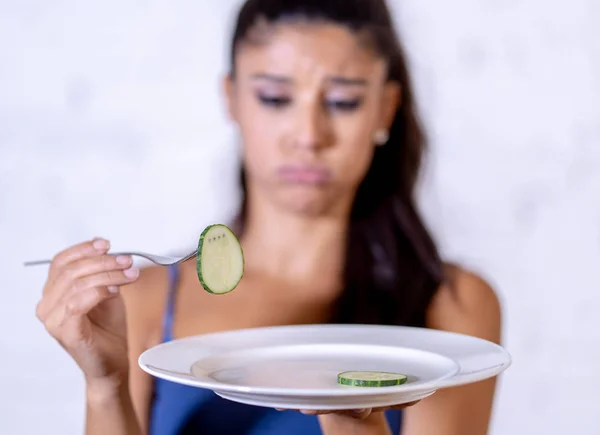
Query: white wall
{"x":111,"y":124}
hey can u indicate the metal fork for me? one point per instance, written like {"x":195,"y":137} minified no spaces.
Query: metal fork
{"x":160,"y":260}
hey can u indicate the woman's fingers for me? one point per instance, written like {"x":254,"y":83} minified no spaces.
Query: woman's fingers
{"x":65,"y":260}
{"x":106,"y":277}
{"x":91,"y":248}
{"x":89,"y":291}
{"x":103,"y":270}
{"x":395,"y":407}
{"x":81,"y":303}
{"x":65,"y":322}
{"x":82,"y":310}
{"x":85,"y":295}
{"x":80,"y":269}
{"x":355,"y":413}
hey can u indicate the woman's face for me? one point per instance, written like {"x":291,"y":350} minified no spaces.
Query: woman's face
{"x":308,"y":101}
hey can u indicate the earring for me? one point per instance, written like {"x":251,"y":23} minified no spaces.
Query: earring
{"x":381,"y":137}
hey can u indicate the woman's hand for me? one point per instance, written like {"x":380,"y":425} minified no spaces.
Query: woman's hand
{"x":358,"y":414}
{"x":369,"y":421}
{"x":82,"y":309}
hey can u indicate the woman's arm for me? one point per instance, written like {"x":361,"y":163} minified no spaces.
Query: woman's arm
{"x":145,"y":302}
{"x":467,"y":305}
{"x":109,"y":409}
{"x":374,"y":424}
{"x":123,"y":406}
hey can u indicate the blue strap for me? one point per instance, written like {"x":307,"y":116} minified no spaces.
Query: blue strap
{"x":168,"y":318}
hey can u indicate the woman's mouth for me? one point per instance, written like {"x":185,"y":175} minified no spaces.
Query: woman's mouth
{"x":305,"y":174}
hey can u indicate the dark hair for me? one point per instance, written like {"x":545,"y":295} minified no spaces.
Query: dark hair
{"x":392,"y":265}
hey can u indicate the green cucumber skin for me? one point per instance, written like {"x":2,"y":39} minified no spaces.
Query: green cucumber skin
{"x":370,"y":383}
{"x":199,"y":259}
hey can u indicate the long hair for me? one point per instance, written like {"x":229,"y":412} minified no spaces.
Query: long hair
{"x":392,"y":266}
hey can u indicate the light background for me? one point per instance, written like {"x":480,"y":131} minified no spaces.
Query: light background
{"x":112,"y":124}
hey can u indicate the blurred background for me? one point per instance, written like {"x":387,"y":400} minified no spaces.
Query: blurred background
{"x":112,"y":124}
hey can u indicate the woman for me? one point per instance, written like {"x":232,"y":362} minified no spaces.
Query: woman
{"x":332,"y":149}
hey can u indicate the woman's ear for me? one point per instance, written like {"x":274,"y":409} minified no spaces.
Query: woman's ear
{"x":391,"y":101}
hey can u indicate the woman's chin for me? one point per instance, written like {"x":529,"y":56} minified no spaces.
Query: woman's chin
{"x":308,"y":203}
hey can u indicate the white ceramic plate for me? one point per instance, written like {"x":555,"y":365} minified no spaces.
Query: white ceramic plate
{"x":296,"y":367}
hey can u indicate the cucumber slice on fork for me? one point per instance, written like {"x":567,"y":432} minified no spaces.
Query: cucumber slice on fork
{"x":220,"y":262}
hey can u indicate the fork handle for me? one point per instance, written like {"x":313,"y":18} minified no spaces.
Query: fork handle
{"x":42,"y":262}
{"x":36,"y":263}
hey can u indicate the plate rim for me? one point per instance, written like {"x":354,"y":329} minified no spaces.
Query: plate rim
{"x":458,"y":378}
{"x":366,"y":402}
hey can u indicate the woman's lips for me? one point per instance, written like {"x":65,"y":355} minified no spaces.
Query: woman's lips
{"x":304,"y":174}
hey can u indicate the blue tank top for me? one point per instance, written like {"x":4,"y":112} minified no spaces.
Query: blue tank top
{"x":181,"y":410}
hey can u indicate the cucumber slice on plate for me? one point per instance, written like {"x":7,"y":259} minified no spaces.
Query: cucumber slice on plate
{"x":371,"y":379}
{"x":220,"y":262}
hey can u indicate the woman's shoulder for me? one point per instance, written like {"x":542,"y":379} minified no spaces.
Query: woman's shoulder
{"x":466,"y":303}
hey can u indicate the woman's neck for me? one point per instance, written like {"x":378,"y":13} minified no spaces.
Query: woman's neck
{"x":292,"y":246}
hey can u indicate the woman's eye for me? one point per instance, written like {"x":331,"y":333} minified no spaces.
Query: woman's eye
{"x":344,"y":105}
{"x":274,"y":101}
{"x":337,"y":105}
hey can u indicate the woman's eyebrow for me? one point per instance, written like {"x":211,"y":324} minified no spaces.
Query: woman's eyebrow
{"x":336,"y":80}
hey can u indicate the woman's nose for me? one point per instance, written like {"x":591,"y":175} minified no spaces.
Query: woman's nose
{"x":311,"y":127}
